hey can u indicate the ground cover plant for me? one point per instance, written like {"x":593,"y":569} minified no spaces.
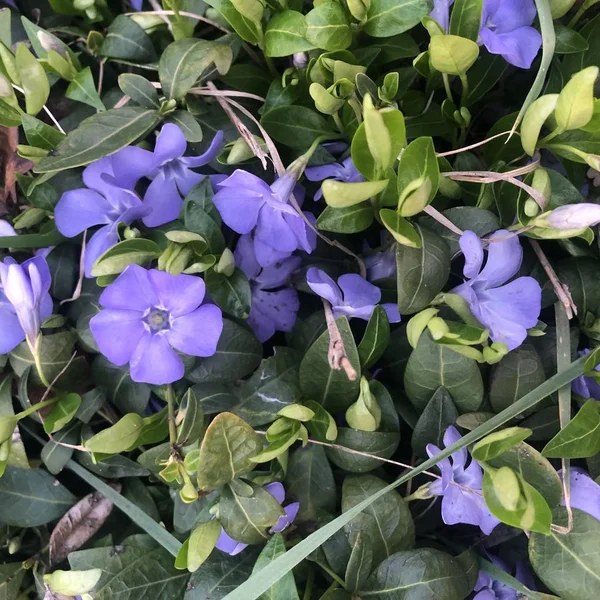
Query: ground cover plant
{"x":300,"y":300}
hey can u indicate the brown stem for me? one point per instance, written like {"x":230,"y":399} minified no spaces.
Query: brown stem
{"x":336,"y":355}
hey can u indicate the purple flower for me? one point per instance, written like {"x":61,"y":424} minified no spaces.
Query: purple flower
{"x":585,"y":493}
{"x":584,"y":385}
{"x":380,"y":265}
{"x":274,"y":306}
{"x":505,"y":28}
{"x":137,"y":4}
{"x":6,"y":229}
{"x":24,"y":301}
{"x":248,"y":205}
{"x":460,"y":505}
{"x":506,"y":310}
{"x":108,"y":200}
{"x":171,"y":173}
{"x":227,"y":544}
{"x":351,"y":296}
{"x":489,"y":588}
{"x":147,"y":316}
{"x":572,"y":216}
{"x":345,"y":171}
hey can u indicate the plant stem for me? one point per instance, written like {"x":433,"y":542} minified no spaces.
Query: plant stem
{"x":170,"y":396}
{"x":38,"y":367}
{"x":447,"y":87}
{"x":333,"y":575}
{"x":35,"y":407}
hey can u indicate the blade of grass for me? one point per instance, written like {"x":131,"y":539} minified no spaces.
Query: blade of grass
{"x":548,"y":43}
{"x":259,"y":583}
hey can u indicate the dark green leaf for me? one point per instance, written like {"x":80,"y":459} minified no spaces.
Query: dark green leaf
{"x":466,"y":18}
{"x":350,"y":219}
{"x":125,"y":39}
{"x":83,"y":89}
{"x":483,"y":76}
{"x":188,"y":124}
{"x":246,"y":28}
{"x":202,"y":217}
{"x":39,"y":134}
{"x":579,"y":275}
{"x":232,"y":294}
{"x":295,"y":126}
{"x":139,"y":89}
{"x":376,"y":338}
{"x":55,"y":456}
{"x":360,"y":563}
{"x":568,"y":41}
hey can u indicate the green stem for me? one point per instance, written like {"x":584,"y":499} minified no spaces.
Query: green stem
{"x":35,"y":407}
{"x":170,"y":395}
{"x":584,"y":7}
{"x":272,"y":68}
{"x":338,"y":122}
{"x":447,"y":87}
{"x":38,"y":366}
{"x":333,"y":575}
{"x":465,"y":88}
{"x":309,"y":584}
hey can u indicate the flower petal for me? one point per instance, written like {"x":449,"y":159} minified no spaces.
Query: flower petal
{"x":170,"y":144}
{"x":130,"y":164}
{"x":330,"y":171}
{"x":472,"y":250}
{"x":444,"y":466}
{"x":276,"y":490}
{"x":503,"y":261}
{"x":198,"y":332}
{"x":227,"y":544}
{"x":585,"y":493}
{"x":273,"y":229}
{"x":163,"y":197}
{"x":245,"y":257}
{"x":323,"y":285}
{"x":273,"y":311}
{"x":393,"y":314}
{"x":179,"y":294}
{"x":278,"y":274}
{"x":117,"y":333}
{"x":104,"y":239}
{"x":239,"y":207}
{"x":518,"y":47}
{"x":132,"y":290}
{"x":267,"y":255}
{"x":459,"y":458}
{"x":77,"y":210}
{"x":508,"y":15}
{"x":208,"y":155}
{"x":187,"y":181}
{"x":6,"y":229}
{"x":291,"y":510}
{"x":155,"y":362}
{"x":12,"y":332}
{"x":460,"y":506}
{"x":358,"y":292}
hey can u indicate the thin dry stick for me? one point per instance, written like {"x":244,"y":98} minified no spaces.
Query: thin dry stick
{"x":216,"y":92}
{"x":445,"y":221}
{"x":336,"y":355}
{"x":45,"y":109}
{"x":79,"y":285}
{"x":476,"y":145}
{"x":182,"y":13}
{"x":101,"y":75}
{"x":158,"y":10}
{"x":122,"y":102}
{"x":561,"y":290}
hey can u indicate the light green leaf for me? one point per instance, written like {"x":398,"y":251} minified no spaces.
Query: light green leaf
{"x":327,"y":27}
{"x":83,"y":89}
{"x":201,"y":544}
{"x":499,"y":442}
{"x":534,"y":119}
{"x":115,"y":260}
{"x":286,"y":34}
{"x":39,"y":134}
{"x":451,"y":54}
{"x":117,"y":438}
{"x":402,"y":230}
{"x":62,"y":412}
{"x":339,"y":194}
{"x":33,"y":80}
{"x":73,"y":583}
{"x":575,"y":104}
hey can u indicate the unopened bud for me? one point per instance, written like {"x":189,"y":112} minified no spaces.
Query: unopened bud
{"x":300,"y":60}
{"x":571,"y":216}
{"x":226,"y":264}
{"x":365,"y":413}
{"x":14,"y":545}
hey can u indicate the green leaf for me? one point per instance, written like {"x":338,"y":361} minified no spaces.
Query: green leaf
{"x":255,"y":586}
{"x":431,"y":366}
{"x":228,"y":445}
{"x":339,"y":194}
{"x":387,"y":522}
{"x":376,"y":338}
{"x":286,"y":586}
{"x":309,"y":481}
{"x":11,"y":574}
{"x":33,"y":80}
{"x":32,"y":497}
{"x":402,"y":230}
{"x":188,"y":123}
{"x":117,"y":438}
{"x":352,"y":219}
{"x":248,"y":518}
{"x":568,"y":41}
{"x":499,"y":442}
{"x":578,"y":275}
{"x":248,"y":29}
{"x":327,"y":27}
{"x":98,"y":136}
{"x":202,"y":217}
{"x":534,"y":119}
{"x":575,"y":104}
{"x":62,"y":412}
{"x":416,"y":574}
{"x":422,"y":272}
{"x":483,"y":76}
{"x":322,"y":426}
{"x":238,"y":354}
{"x":275,"y":381}
{"x":55,"y":456}
{"x":466,"y":18}
{"x":139,"y":89}
{"x":569,"y":563}
{"x":201,"y":544}
{"x":231,"y":294}
{"x":71,"y":583}
{"x":83,"y":89}
{"x":115,"y":260}
{"x":286,"y":34}
{"x":184,"y":62}
{"x":192,"y":426}
{"x":318,"y":381}
{"x":580,"y":438}
{"x":295,"y":126}
{"x":360,"y":563}
{"x":39,"y":134}
{"x":391,"y":17}
{"x":517,"y":374}
{"x":451,"y":54}
{"x":438,"y":415}
{"x":125,"y":39}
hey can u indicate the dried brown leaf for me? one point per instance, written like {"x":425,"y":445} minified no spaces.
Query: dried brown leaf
{"x":79,"y":524}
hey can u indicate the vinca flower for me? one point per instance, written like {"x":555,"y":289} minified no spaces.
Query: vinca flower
{"x":6,"y":229}
{"x":506,"y":310}
{"x":25,"y":302}
{"x":380,"y":265}
{"x":462,"y":503}
{"x":351,"y":296}
{"x":274,"y":306}
{"x":505,"y":28}
{"x":584,"y":385}
{"x":488,"y":588}
{"x":149,"y":315}
{"x":249,"y":205}
{"x":344,"y":171}
{"x":585,"y":492}
{"x":572,"y":216}
{"x":227,"y":544}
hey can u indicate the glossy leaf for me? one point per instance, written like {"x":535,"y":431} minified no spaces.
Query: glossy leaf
{"x":125,"y":39}
{"x":286,"y":34}
{"x":376,"y":338}
{"x":438,"y":415}
{"x":117,"y":438}
{"x":391,"y":17}
{"x":33,"y":80}
{"x":62,"y":412}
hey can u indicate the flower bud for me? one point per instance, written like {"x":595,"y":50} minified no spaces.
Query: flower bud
{"x":365,"y":413}
{"x":570,"y":216}
{"x":226,"y":264}
{"x":300,"y":60}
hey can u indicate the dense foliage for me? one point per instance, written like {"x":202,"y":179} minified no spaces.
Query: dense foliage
{"x":300,"y":299}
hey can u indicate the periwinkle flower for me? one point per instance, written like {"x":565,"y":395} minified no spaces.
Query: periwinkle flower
{"x":488,"y":588}
{"x":571,"y":216}
{"x":171,"y":174}
{"x":462,"y":503}
{"x":344,"y":171}
{"x":148,"y":315}
{"x":584,"y":385}
{"x":227,"y":544}
{"x":351,"y":296}
{"x":380,"y":265}
{"x":274,"y":306}
{"x":505,"y":28}
{"x":248,"y":205}
{"x":6,"y":229}
{"x":585,"y":493}
{"x":506,"y":310}
{"x":24,"y":301}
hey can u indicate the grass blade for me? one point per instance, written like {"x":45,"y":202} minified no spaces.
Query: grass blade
{"x":548,"y":43}
{"x":259,"y":583}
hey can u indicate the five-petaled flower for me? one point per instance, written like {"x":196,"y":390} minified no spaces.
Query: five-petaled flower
{"x":460,"y":487}
{"x":344,"y":171}
{"x":506,"y":310}
{"x":147,"y":315}
{"x":274,"y":306}
{"x":351,"y":296}
{"x":505,"y":28}
{"x":25,"y":301}
{"x":249,"y":205}
{"x":227,"y":544}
